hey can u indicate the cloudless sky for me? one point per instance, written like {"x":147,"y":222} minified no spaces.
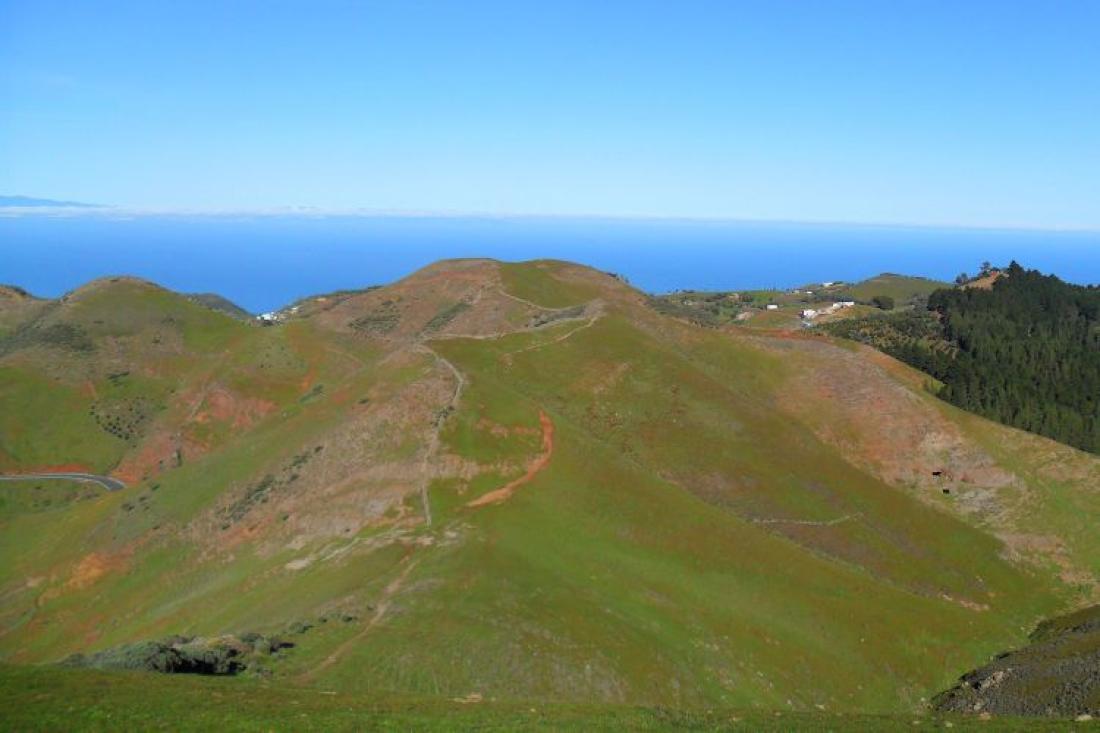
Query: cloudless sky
{"x":957,"y":112}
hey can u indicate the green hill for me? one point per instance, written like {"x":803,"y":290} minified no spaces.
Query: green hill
{"x":44,"y":698}
{"x":219,"y":303}
{"x":903,"y":289}
{"x":518,"y":482}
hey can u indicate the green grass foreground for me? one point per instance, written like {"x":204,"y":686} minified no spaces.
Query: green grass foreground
{"x":55,"y":699}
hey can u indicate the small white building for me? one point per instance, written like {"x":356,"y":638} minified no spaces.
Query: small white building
{"x":845,"y":303}
{"x":772,"y":307}
{"x":828,"y":284}
{"x":808,"y":313}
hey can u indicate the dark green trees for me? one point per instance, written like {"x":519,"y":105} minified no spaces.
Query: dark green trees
{"x":1025,"y":352}
{"x":883,"y":302}
{"x":1028,"y":354}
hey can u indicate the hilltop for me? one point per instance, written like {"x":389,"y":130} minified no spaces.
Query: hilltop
{"x":220,"y":303}
{"x":518,"y":481}
{"x":904,"y":290}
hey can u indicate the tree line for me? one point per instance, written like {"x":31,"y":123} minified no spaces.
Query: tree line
{"x":1024,"y":352}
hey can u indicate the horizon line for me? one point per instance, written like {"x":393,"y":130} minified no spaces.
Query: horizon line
{"x":123,"y":213}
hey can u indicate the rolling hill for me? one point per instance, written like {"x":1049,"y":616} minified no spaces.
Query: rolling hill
{"x":519,"y":482}
{"x":903,"y":289}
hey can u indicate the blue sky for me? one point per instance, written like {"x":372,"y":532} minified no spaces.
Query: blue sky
{"x":972,"y":113}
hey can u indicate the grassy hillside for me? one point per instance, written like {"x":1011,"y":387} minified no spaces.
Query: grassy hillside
{"x":220,"y":303}
{"x":904,"y":289}
{"x":16,"y":306}
{"x":520,"y":482}
{"x":63,"y":700}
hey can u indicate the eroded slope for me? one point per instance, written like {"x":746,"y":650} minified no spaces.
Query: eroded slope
{"x":518,"y":481}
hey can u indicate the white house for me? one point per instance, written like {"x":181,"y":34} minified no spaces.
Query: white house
{"x":772,"y":307}
{"x":845,"y":303}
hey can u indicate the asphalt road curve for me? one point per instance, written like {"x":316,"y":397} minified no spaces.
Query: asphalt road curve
{"x":111,"y":484}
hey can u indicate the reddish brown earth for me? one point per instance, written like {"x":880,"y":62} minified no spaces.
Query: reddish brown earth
{"x":221,"y":405}
{"x":498,"y":496}
{"x":985,"y":283}
{"x":154,"y":454}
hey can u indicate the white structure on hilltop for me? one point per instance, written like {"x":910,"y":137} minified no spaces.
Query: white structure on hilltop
{"x":772,"y":307}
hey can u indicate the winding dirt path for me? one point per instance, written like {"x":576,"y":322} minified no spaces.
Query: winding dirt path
{"x":810,"y":522}
{"x":558,"y":340}
{"x":546,"y":308}
{"x":380,"y":610}
{"x":432,"y":447}
{"x":502,"y":494}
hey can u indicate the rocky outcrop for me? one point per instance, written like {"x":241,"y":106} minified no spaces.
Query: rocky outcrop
{"x":1056,"y":675}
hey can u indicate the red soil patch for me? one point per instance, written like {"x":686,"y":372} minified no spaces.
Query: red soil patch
{"x":94,"y":566}
{"x":214,"y":405}
{"x":309,"y":378}
{"x":221,"y":405}
{"x":502,"y":494}
{"x":985,"y":283}
{"x":156,"y":452}
{"x":241,"y":533}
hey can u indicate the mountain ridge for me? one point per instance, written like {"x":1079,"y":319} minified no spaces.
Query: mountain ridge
{"x":708,"y":506}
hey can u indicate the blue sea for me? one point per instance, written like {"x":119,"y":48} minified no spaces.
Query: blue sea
{"x":264,"y":262}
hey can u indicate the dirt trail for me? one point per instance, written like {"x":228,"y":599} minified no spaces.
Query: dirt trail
{"x":558,"y":340}
{"x":502,"y":494}
{"x":432,"y":447}
{"x":518,"y":299}
{"x":811,"y":522}
{"x":592,"y":312}
{"x":380,"y":610}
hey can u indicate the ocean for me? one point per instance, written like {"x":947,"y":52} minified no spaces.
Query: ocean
{"x":264,"y":262}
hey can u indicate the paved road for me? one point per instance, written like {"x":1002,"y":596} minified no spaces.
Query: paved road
{"x":111,"y":484}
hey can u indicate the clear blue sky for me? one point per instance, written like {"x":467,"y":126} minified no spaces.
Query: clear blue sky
{"x":963,"y":112}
